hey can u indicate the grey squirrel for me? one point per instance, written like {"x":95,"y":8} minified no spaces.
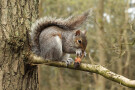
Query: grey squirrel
{"x":56,"y":39}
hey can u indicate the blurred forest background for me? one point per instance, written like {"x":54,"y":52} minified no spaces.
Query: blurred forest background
{"x":111,"y":43}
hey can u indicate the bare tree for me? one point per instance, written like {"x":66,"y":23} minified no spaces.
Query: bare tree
{"x":100,"y":41}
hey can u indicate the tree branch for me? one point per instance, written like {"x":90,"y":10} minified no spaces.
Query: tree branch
{"x":98,"y":69}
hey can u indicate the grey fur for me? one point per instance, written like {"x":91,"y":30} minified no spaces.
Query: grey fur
{"x":54,"y":39}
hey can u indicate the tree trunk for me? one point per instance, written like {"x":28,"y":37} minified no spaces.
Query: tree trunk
{"x":100,"y":40}
{"x":15,"y":21}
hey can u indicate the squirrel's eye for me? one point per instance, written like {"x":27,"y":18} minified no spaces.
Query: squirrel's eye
{"x":79,"y":41}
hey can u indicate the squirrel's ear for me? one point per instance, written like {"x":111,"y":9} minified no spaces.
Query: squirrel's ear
{"x":84,"y":32}
{"x":75,"y":22}
{"x":77,"y":33}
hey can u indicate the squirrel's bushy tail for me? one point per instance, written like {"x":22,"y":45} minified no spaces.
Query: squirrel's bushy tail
{"x":70,"y":23}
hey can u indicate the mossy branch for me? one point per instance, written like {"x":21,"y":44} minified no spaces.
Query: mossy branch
{"x":98,"y":69}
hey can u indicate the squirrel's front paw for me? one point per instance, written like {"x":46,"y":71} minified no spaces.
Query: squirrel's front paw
{"x":68,"y":61}
{"x":79,"y":52}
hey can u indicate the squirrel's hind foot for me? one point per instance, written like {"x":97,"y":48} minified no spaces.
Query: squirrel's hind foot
{"x":69,"y":61}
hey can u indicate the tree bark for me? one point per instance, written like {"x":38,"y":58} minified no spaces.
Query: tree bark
{"x":15,"y":21}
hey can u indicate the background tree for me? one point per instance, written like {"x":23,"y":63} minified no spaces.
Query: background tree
{"x":100,"y":82}
{"x":117,"y":43}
